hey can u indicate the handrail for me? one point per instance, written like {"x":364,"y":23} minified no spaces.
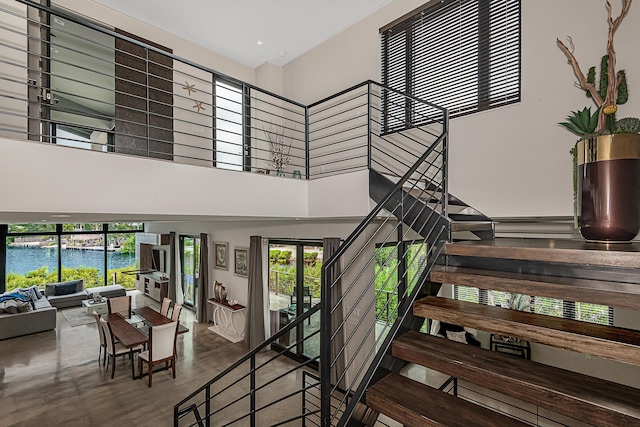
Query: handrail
{"x":372,"y":215}
{"x":288,"y":328}
{"x":94,"y":26}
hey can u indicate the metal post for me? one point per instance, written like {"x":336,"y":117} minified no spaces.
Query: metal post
{"x":307,"y":161}
{"x":208,"y":406}
{"x":252,"y":415}
{"x":369,"y":119}
{"x":325,"y":349}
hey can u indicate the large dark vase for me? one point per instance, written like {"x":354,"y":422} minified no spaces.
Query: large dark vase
{"x":609,"y":187}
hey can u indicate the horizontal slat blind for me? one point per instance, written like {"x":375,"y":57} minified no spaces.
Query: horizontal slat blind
{"x":594,"y":313}
{"x":460,"y":54}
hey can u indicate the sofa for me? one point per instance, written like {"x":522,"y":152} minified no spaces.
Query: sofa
{"x":71,"y":294}
{"x":65,"y":294}
{"x":109,"y":291}
{"x":37,"y":315}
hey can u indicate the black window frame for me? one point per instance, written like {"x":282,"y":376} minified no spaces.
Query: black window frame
{"x":58,"y":233}
{"x":398,"y":62}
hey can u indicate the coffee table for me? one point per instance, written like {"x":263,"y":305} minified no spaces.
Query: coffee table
{"x":100,"y":307}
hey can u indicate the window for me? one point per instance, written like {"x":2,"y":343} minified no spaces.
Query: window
{"x":586,"y":312}
{"x":230,"y":150}
{"x":463,"y":55}
{"x":398,"y":267}
{"x":35,"y":254}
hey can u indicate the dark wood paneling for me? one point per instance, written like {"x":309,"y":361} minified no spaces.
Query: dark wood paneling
{"x":602,"y":403}
{"x":610,"y":342}
{"x":416,"y":405}
{"x":132,"y":106}
{"x":146,"y":257}
{"x":614,"y":294}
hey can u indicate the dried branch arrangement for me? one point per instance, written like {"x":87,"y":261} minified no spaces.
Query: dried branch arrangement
{"x":613,"y":87}
{"x":280,"y":150}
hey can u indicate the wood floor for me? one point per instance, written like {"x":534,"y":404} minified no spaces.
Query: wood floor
{"x":53,"y":378}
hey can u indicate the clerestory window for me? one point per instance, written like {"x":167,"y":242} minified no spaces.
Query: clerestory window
{"x":463,"y":55}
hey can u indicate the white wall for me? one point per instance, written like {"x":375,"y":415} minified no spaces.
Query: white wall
{"x":37,"y":177}
{"x":42,"y":179}
{"x":237,"y":234}
{"x":514,"y":160}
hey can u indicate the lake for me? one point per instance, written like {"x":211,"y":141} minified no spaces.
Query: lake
{"x":23,"y":260}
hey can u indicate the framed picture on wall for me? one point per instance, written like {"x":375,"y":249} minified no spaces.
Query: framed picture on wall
{"x":221,"y":250}
{"x":241,"y":261}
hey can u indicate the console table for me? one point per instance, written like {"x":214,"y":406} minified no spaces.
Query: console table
{"x":228,"y":320}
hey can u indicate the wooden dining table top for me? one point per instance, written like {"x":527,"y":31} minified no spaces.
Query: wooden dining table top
{"x":131,"y":336}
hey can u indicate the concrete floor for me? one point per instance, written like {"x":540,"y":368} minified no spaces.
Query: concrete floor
{"x":53,"y":378}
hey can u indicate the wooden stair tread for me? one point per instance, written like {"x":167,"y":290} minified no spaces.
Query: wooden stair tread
{"x":603,"y":403}
{"x":610,"y":342}
{"x":551,"y":250}
{"x":414,"y":404}
{"x":615,"y":294}
{"x":471,"y":226}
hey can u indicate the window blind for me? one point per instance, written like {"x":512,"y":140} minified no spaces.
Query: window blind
{"x":463,"y":55}
{"x":586,"y":312}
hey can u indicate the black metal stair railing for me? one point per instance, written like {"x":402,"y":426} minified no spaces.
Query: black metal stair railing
{"x":390,"y":253}
{"x":392,"y":250}
{"x":261,"y":388}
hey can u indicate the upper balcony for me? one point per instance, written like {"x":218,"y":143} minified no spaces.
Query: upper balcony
{"x":131,"y":131}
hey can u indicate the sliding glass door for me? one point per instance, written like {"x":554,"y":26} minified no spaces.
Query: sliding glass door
{"x":294,"y":288}
{"x":190,"y":266}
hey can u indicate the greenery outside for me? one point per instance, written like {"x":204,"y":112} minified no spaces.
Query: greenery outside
{"x":124,"y":241}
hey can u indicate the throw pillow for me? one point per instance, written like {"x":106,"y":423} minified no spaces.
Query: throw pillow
{"x":30,"y":293}
{"x":24,"y":307}
{"x":37,"y":291}
{"x":11,"y":306}
{"x":49,"y":289}
{"x":457,"y":336}
{"x":65,"y":288}
{"x":2,"y":304}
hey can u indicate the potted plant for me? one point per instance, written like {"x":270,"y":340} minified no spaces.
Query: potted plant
{"x":607,"y":156}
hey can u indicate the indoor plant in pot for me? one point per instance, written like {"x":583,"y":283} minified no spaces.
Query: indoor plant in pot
{"x":607,"y":157}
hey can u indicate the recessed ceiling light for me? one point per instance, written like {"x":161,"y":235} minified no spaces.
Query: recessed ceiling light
{"x":60,"y":216}
{"x":43,"y":220}
{"x":259,"y":42}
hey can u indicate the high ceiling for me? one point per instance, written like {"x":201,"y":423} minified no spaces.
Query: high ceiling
{"x":251,"y":32}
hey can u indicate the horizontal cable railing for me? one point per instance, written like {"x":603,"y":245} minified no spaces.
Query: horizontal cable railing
{"x":259,"y":389}
{"x":69,"y":81}
{"x":390,"y":253}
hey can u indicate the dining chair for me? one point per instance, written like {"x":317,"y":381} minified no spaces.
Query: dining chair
{"x":120,"y":305}
{"x":175,"y":314}
{"x":162,"y":348}
{"x":166,"y":302}
{"x":115,"y":349}
{"x":103,"y":342}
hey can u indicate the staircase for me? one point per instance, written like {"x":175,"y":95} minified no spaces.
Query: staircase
{"x":564,"y":269}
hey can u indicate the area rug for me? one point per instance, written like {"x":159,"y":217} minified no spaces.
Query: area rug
{"x":78,"y":316}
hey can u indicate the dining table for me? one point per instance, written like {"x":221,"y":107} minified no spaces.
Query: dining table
{"x":129,"y":335}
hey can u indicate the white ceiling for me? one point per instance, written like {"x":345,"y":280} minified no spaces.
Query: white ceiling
{"x":233,"y":28}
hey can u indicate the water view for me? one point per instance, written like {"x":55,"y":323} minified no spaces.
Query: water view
{"x":21,"y":260}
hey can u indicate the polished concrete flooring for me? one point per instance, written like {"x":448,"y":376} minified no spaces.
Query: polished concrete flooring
{"x":53,"y":378}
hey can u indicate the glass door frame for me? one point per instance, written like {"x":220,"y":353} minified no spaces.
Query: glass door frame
{"x":296,"y":352}
{"x":196,"y":268}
